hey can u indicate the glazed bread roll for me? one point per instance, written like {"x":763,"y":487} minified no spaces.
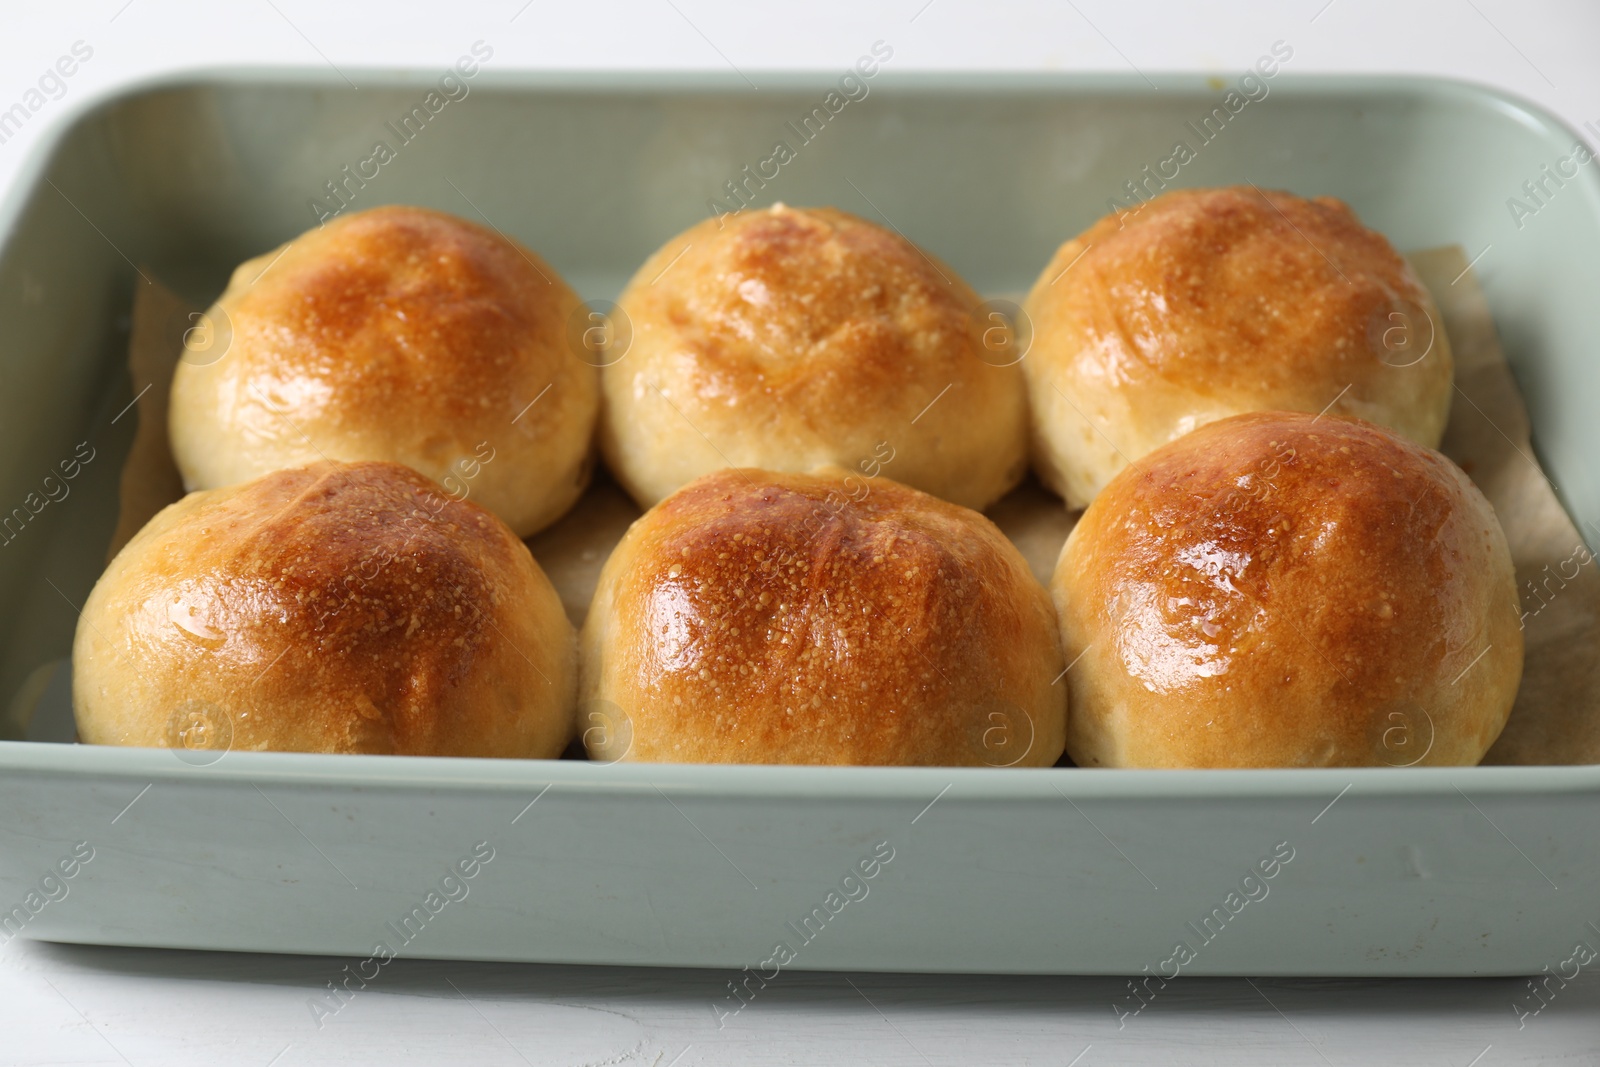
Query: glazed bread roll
{"x":757,"y":617}
{"x":792,"y":338}
{"x":394,"y":334}
{"x":1206,"y":303}
{"x":331,"y":608}
{"x":1279,"y":590}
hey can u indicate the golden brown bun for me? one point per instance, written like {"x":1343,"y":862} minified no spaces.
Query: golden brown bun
{"x":792,"y":338}
{"x":395,"y":334}
{"x":331,"y":608}
{"x":755,"y":617}
{"x":1278,"y":590}
{"x":1206,"y":303}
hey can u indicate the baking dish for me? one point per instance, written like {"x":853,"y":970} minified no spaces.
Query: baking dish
{"x":1488,"y":870}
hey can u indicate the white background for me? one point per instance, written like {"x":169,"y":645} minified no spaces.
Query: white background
{"x":70,"y":1005}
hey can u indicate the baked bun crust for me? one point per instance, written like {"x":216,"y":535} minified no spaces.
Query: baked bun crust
{"x":1279,"y":590}
{"x":790,"y":338}
{"x":395,"y":334}
{"x":1207,"y":303}
{"x":756,"y":617}
{"x":331,"y":608}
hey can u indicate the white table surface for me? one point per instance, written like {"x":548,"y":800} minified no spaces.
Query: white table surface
{"x":75,"y":1005}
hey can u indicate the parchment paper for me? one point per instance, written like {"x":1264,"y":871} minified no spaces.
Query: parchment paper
{"x":1557,"y":714}
{"x":1556,"y":718}
{"x":150,"y":479}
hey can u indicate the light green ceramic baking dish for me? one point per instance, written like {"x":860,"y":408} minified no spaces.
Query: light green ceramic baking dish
{"x":1447,"y":872}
